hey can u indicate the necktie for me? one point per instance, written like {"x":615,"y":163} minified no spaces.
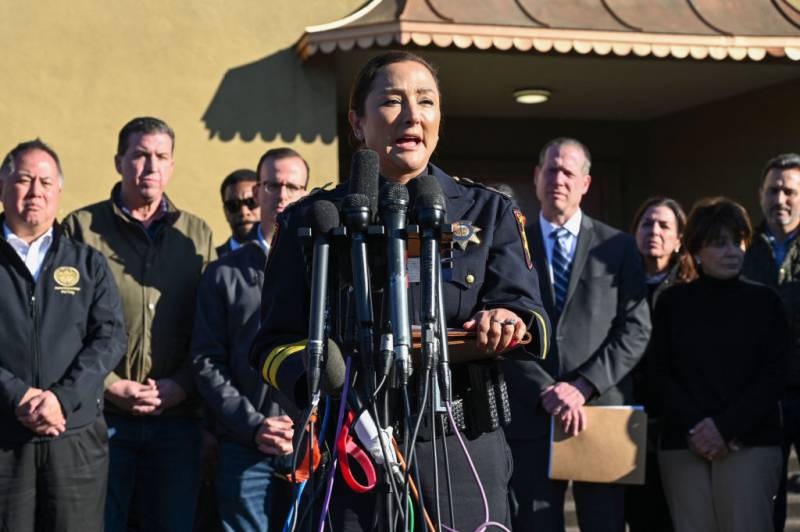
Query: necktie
{"x":561,"y":264}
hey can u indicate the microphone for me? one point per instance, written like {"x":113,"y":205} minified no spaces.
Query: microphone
{"x":322,"y":218}
{"x":364,"y":177}
{"x":430,"y":215}
{"x":357,"y":216}
{"x":393,"y":209}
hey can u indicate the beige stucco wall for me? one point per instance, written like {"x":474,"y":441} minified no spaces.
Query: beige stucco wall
{"x":223,"y":74}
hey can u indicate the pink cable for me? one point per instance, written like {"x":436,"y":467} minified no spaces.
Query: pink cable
{"x":329,"y":487}
{"x":487,"y":523}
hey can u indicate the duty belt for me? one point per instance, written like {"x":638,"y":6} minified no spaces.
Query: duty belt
{"x":480,"y":403}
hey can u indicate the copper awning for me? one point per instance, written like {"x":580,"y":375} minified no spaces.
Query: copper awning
{"x":731,"y":29}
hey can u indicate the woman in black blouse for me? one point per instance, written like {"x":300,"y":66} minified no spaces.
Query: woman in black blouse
{"x":718,"y":358}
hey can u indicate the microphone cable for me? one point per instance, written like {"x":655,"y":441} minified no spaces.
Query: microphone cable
{"x":297,"y":491}
{"x":447,"y":471}
{"x":426,"y":379}
{"x":435,"y":459}
{"x":415,"y":491}
{"x":339,"y":423}
{"x":487,"y":522}
{"x":387,"y":466}
{"x":299,"y":488}
{"x":415,"y":470}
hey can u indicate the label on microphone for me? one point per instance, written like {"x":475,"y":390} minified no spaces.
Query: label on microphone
{"x":413,"y":270}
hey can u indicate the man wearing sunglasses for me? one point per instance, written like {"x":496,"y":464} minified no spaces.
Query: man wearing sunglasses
{"x":251,"y":428}
{"x":241,"y":208}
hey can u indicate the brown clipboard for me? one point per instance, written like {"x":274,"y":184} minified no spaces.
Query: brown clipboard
{"x":610,"y":450}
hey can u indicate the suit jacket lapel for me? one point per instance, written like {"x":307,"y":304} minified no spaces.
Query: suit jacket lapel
{"x":534,"y":233}
{"x":585,"y":241}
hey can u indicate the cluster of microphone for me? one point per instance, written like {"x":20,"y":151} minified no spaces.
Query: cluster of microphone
{"x":367,"y":239}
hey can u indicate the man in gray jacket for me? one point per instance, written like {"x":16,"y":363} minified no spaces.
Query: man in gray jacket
{"x":250,"y":426}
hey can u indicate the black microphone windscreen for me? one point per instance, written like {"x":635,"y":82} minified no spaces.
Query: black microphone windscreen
{"x":364,"y":174}
{"x":429,"y":193}
{"x":324,"y":216}
{"x":426,"y":185}
{"x":393,"y":193}
{"x":354,"y":200}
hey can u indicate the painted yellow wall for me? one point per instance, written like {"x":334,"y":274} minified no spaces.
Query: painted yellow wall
{"x":223,"y":74}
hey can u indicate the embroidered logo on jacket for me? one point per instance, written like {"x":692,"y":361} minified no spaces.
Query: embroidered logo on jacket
{"x":66,"y":278}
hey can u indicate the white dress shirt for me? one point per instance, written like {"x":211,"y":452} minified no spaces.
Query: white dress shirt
{"x":32,"y":255}
{"x":573,"y":227}
{"x":262,"y":242}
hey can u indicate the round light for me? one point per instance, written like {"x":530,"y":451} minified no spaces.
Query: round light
{"x":531,"y":96}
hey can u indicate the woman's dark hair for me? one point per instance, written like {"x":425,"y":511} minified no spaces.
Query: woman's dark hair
{"x":679,"y":257}
{"x":368,"y":73}
{"x":710,"y":217}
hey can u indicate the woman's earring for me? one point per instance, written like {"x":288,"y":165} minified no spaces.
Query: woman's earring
{"x":697,"y":260}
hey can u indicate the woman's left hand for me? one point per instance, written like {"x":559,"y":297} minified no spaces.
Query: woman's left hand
{"x":497,"y":329}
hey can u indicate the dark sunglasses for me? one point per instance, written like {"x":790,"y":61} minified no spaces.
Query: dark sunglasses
{"x":235,"y":205}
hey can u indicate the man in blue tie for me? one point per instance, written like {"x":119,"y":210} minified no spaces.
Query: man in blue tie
{"x":594,"y":292}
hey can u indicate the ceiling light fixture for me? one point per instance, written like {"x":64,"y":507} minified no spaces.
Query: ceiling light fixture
{"x":531,"y":96}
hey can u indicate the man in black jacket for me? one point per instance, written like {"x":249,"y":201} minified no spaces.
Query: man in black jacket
{"x":251,"y":427}
{"x":61,"y":331}
{"x":774,"y":260}
{"x":593,"y":289}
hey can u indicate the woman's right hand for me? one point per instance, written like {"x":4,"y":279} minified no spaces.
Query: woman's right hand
{"x":706,"y":441}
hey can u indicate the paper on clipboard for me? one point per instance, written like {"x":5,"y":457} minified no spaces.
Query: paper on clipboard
{"x":610,"y":450}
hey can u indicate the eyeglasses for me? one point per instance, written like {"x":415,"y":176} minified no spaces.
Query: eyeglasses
{"x":271,"y":187}
{"x":235,"y":205}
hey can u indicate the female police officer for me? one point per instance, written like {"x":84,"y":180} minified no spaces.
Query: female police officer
{"x":395,"y":111}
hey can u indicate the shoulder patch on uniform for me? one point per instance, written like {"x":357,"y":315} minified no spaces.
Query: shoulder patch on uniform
{"x":471,"y":183}
{"x":276,"y":227}
{"x":520,"y":218}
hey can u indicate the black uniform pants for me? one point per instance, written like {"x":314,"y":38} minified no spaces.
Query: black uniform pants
{"x":58,"y":485}
{"x":350,"y":512}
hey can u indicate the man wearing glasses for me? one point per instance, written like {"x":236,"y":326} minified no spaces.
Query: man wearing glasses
{"x":283,"y":179}
{"x":241,"y":208}
{"x":250,"y":426}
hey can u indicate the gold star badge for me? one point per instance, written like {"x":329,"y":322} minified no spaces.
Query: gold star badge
{"x":465,"y":233}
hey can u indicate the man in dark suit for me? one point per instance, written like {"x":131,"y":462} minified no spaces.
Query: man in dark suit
{"x":593,"y":289}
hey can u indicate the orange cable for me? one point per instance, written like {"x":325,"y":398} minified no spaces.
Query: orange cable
{"x":413,"y":486}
